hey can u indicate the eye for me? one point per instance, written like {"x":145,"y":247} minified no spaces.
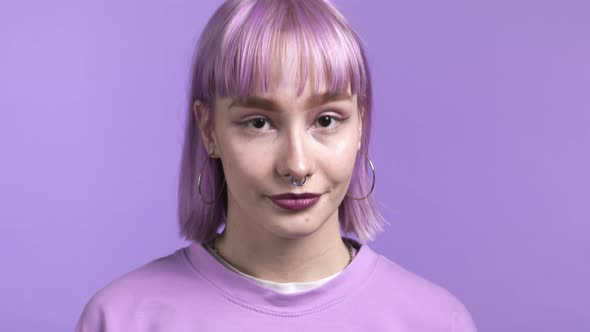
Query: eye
{"x":256,"y":123}
{"x":327,"y":121}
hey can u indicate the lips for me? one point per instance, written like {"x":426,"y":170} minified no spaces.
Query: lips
{"x":295,"y":196}
{"x":295,"y":202}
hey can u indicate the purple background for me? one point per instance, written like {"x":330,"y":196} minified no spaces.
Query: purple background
{"x":481,"y":144}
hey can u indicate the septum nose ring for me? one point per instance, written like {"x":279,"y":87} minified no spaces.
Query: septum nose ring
{"x":299,"y":184}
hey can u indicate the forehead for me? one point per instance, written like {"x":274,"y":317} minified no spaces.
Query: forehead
{"x":274,"y":102}
{"x":286,"y":95}
{"x":291,"y":78}
{"x":285,"y":74}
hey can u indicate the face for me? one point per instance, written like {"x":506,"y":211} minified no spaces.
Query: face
{"x":265,"y":139}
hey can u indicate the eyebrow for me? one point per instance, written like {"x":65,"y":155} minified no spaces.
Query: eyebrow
{"x":272,"y":105}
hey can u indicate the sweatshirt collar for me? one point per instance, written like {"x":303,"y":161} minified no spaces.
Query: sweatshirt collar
{"x":254,"y":296}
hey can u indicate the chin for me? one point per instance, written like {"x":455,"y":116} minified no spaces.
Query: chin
{"x":294,"y":226}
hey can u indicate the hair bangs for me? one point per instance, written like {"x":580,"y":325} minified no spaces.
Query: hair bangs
{"x":294,"y":43}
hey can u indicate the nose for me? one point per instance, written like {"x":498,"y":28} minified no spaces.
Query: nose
{"x":294,"y":158}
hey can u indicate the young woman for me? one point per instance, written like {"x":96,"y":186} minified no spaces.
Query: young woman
{"x":275,"y":193}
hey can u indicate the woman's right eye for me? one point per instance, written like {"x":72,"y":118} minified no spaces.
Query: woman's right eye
{"x":257,"y":123}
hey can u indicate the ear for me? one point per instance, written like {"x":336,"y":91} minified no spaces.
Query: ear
{"x":202,"y":115}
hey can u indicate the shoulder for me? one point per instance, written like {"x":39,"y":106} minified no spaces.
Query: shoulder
{"x":421,"y":301}
{"x":143,"y":289}
{"x":409,"y":284}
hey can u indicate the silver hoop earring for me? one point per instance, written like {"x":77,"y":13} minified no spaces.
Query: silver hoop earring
{"x":373,"y":184}
{"x":299,"y":184}
{"x":199,"y":183}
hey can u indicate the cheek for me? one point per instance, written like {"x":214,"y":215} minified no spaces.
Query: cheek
{"x":243,"y":164}
{"x":339,"y":167}
{"x":338,"y":159}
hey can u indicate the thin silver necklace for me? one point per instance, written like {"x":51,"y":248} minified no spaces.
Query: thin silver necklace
{"x":346,"y":243}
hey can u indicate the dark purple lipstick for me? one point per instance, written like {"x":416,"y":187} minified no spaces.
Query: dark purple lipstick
{"x":295,"y":202}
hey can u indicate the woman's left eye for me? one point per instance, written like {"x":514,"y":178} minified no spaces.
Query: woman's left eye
{"x":327,"y":121}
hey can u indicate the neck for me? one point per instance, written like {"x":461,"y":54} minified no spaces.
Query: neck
{"x":304,"y":259}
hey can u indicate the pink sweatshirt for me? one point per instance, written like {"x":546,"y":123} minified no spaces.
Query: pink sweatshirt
{"x":190,"y":290}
